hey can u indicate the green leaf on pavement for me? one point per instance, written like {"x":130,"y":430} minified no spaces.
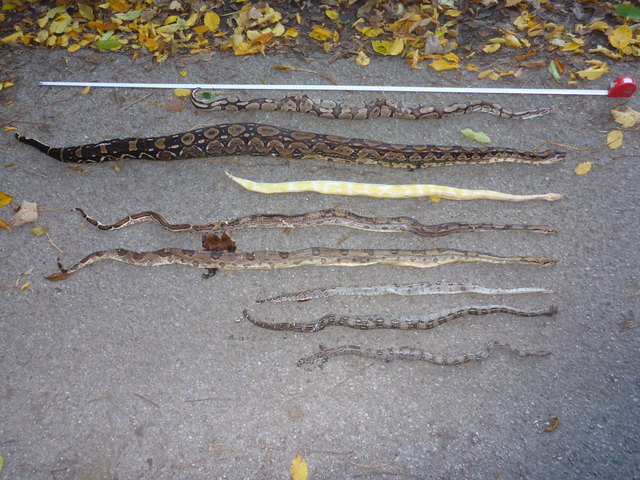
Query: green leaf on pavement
{"x":480,"y":137}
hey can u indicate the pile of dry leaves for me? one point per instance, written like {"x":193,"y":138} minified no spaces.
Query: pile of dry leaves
{"x":579,"y":38}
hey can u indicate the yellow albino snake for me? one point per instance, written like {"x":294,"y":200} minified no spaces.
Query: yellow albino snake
{"x":332,"y":187}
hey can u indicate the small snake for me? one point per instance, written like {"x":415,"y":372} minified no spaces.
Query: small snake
{"x":315,"y":256}
{"x":368,"y":322}
{"x":407,"y":353}
{"x":332,"y":216}
{"x":395,"y":289}
{"x":383,"y":108}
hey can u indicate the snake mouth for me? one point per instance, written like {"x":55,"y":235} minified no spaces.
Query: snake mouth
{"x":555,"y":157}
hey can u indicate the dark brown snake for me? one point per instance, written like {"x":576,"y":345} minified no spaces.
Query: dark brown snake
{"x":408,"y":353}
{"x":268,"y":140}
{"x":383,"y":108}
{"x":310,"y":257}
{"x":331,"y":216}
{"x":395,"y":321}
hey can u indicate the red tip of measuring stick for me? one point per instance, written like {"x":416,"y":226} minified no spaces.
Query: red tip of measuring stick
{"x":622,"y":87}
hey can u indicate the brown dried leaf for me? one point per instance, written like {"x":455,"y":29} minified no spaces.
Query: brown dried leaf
{"x":533,"y":64}
{"x":176,"y":104}
{"x":224,"y":243}
{"x":28,"y":213}
{"x":555,"y":422}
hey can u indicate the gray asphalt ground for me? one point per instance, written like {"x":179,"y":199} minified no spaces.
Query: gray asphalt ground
{"x":126,"y":372}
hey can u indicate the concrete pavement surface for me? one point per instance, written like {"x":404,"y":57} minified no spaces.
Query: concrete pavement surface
{"x":126,"y":372}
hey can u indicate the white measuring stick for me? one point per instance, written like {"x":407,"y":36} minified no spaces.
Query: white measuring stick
{"x":622,"y":87}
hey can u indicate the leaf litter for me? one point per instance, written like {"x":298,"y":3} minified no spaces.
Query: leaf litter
{"x":584,"y":38}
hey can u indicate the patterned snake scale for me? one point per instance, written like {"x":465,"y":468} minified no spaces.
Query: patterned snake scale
{"x":394,"y":321}
{"x":408,"y":353}
{"x":310,"y":257}
{"x":421,"y":288}
{"x":267,"y":140}
{"x":332,"y":216}
{"x":383,"y":108}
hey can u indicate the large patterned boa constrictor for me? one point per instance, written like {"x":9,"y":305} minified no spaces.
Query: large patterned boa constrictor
{"x":267,"y":140}
{"x":383,"y":108}
{"x":309,"y":257}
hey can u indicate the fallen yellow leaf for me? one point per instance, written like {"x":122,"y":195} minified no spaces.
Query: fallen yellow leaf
{"x":181,"y":92}
{"x":332,"y":14}
{"x":628,"y":119}
{"x":212,"y":21}
{"x":614,"y":139}
{"x":10,"y":129}
{"x":85,"y":90}
{"x":5,"y":199}
{"x":596,"y":70}
{"x":452,"y":13}
{"x":494,"y":47}
{"x":13,"y":38}
{"x":4,"y":225}
{"x":182,"y":73}
{"x":583,"y":168}
{"x":278,"y":30}
{"x":24,"y":286}
{"x":299,"y":469}
{"x":621,"y":37}
{"x":38,"y":231}
{"x":372,"y":32}
{"x":384,"y":47}
{"x":512,"y":41}
{"x":598,"y":25}
{"x":491,"y":74}
{"x":119,"y":6}
{"x":320,"y":33}
{"x":435,"y":199}
{"x":523,"y":20}
{"x":441,"y":64}
{"x":85,"y":11}
{"x":362,"y":59}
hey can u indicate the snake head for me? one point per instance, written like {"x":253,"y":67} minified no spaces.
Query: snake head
{"x":56,"y":277}
{"x":63,"y":274}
